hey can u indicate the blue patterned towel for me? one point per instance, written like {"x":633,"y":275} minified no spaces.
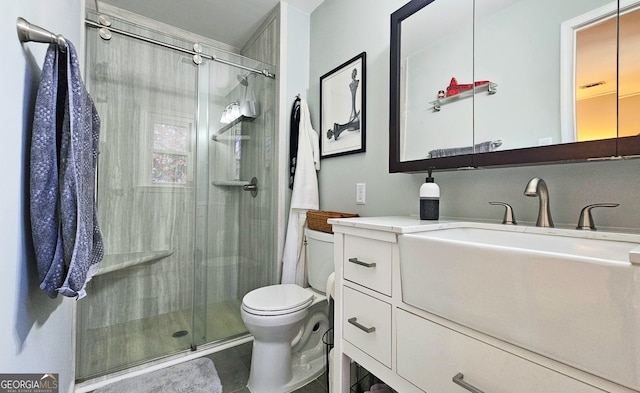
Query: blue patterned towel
{"x":64,"y":152}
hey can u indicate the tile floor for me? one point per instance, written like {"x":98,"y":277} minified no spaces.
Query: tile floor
{"x":233,"y":366}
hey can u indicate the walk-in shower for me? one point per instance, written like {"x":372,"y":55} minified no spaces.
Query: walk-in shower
{"x":184,"y":240}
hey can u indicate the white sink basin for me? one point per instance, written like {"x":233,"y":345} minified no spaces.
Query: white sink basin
{"x":607,"y":250}
{"x":569,"y":295}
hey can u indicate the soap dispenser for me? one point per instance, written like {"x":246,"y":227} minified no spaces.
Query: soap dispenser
{"x":429,"y":199}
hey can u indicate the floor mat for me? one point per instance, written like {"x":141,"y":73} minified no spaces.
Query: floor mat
{"x":194,"y":376}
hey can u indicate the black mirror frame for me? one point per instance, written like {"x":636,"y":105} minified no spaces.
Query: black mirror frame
{"x":577,"y":151}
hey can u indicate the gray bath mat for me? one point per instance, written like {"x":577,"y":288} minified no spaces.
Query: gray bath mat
{"x":194,"y":376}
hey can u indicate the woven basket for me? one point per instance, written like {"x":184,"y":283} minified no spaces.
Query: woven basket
{"x":317,"y":219}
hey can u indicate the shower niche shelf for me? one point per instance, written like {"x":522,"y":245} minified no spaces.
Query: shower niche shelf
{"x":230,"y":183}
{"x":115,"y":262}
{"x":220,"y":134}
{"x":230,"y":137}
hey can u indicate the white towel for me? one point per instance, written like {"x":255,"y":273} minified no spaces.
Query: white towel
{"x":304,"y":197}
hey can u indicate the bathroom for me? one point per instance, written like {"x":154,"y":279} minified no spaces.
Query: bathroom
{"x":38,"y":333}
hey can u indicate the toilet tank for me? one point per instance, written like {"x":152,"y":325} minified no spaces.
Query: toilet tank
{"x":319,"y":253}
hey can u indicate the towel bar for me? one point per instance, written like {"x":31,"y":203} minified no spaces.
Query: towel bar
{"x":30,"y":32}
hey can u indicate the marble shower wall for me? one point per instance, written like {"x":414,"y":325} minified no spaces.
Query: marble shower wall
{"x":258,"y":216}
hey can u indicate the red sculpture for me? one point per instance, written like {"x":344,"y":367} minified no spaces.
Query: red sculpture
{"x":455,"y":88}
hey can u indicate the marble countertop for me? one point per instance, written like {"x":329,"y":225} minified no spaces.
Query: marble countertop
{"x":412,"y":224}
{"x":396,"y":224}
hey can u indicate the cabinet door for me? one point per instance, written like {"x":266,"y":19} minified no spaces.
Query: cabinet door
{"x":430,"y":355}
{"x":367,"y":324}
{"x":368,"y":262}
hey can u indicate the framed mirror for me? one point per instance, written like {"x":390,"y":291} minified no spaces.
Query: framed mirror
{"x":511,"y":82}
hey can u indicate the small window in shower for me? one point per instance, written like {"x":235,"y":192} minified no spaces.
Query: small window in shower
{"x":169,"y":159}
{"x":169,"y":168}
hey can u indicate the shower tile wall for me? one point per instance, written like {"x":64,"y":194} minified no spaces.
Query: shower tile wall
{"x":257,"y":258}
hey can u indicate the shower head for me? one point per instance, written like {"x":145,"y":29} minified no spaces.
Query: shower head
{"x":243,"y":79}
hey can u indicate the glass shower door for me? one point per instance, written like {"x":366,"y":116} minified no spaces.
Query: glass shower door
{"x":239,"y":236}
{"x":139,"y":307}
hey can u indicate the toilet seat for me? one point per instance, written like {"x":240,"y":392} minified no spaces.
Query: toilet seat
{"x":277,"y":300}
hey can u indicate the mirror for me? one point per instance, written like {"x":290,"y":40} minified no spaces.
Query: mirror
{"x":496,"y":82}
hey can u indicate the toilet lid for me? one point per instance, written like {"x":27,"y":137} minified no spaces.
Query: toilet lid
{"x":277,"y":299}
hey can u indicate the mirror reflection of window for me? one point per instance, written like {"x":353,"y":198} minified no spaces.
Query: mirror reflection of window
{"x":606,"y":107}
{"x":596,"y":80}
{"x":629,"y":73}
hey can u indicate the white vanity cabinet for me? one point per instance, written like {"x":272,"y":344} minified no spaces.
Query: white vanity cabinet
{"x":430,"y":355}
{"x":366,"y":319}
{"x":367,"y":324}
{"x":367,"y":262}
{"x":412,"y":350}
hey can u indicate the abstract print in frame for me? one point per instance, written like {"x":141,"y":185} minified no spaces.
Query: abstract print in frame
{"x":342,"y":108}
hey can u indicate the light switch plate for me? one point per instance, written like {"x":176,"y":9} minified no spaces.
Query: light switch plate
{"x":361,"y":193}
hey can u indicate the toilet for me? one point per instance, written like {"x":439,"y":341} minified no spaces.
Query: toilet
{"x":287,"y":323}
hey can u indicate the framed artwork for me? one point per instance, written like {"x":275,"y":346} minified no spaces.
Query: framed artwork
{"x":342,"y":108}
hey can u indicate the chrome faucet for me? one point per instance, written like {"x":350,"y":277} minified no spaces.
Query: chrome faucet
{"x":538,"y":187}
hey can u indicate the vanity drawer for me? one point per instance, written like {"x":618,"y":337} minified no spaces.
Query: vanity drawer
{"x":367,"y":324}
{"x":430,"y":355}
{"x":368,"y":262}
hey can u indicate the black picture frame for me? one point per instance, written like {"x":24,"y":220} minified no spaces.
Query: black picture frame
{"x":343,"y":108}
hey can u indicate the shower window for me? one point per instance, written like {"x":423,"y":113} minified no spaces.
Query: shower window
{"x":169,"y":161}
{"x":169,"y":168}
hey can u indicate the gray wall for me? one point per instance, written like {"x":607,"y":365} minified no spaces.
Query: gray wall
{"x":36,"y":333}
{"x":464,"y":193}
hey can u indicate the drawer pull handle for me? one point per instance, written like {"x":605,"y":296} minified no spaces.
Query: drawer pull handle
{"x":354,"y":322}
{"x":359,"y":262}
{"x":458,"y":380}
